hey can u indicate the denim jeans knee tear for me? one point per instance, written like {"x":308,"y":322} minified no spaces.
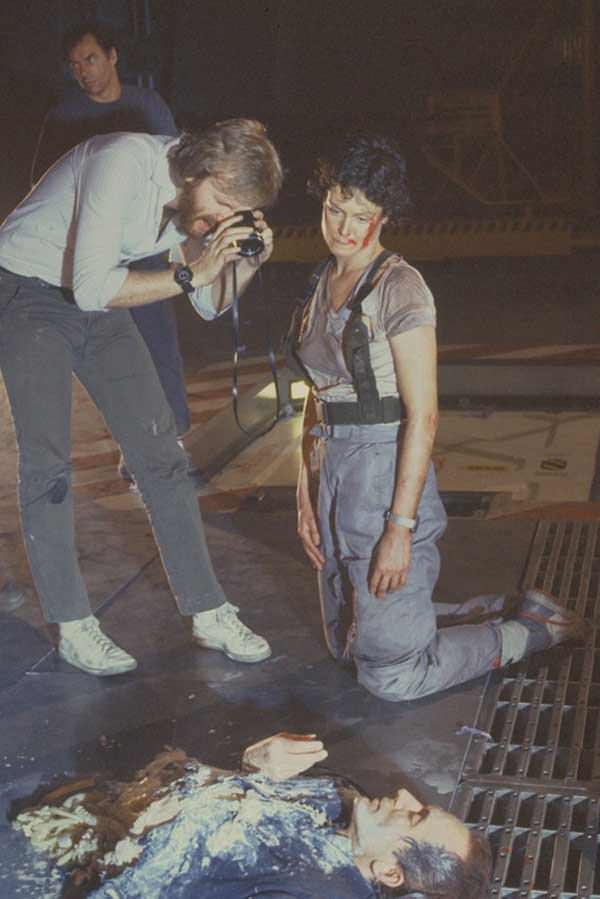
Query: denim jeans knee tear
{"x":59,"y":491}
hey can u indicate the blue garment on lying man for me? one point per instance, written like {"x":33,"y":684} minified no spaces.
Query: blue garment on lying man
{"x":245,"y":837}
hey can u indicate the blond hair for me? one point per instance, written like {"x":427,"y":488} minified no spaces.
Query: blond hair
{"x":239,"y":156}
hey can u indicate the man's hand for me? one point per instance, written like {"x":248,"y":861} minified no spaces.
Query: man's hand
{"x":391,"y":561}
{"x":308,"y":531}
{"x":222,"y":247}
{"x":218,"y":248}
{"x":261,"y":227}
{"x":284,"y":755}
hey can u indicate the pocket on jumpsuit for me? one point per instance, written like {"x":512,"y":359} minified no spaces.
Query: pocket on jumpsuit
{"x":382,"y":466}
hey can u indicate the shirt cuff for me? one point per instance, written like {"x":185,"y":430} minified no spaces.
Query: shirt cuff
{"x":201,"y":300}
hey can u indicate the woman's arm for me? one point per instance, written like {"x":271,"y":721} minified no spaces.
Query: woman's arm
{"x":308,"y":530}
{"x":415,"y":362}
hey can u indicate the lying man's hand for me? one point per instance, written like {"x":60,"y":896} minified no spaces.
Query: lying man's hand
{"x":284,"y":755}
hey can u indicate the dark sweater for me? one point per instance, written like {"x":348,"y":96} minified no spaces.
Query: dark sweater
{"x":77,"y":118}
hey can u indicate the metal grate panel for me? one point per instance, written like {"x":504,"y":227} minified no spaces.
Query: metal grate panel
{"x":534,"y":788}
{"x":545,"y":843}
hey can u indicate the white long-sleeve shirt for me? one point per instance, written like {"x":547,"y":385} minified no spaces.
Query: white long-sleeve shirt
{"x":95,"y":211}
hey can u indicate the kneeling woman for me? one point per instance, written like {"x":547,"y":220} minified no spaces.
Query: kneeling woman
{"x":367,"y":343}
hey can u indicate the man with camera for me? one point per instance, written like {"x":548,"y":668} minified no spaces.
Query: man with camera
{"x":65,"y":291}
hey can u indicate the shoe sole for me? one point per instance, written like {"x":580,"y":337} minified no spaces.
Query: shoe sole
{"x":263,"y":656}
{"x":103,"y":672}
{"x":574,"y":626}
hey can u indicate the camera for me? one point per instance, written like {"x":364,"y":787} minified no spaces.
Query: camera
{"x":253,"y":245}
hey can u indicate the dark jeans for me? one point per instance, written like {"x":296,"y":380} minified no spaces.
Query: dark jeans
{"x":44,"y":340}
{"x":157,"y":324}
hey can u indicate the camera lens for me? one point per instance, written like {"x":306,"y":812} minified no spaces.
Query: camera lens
{"x":253,"y":245}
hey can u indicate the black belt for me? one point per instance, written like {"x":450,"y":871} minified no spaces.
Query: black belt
{"x":389,"y":409}
{"x":67,"y":295}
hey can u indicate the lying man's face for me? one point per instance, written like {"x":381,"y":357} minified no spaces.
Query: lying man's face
{"x":379,"y":827}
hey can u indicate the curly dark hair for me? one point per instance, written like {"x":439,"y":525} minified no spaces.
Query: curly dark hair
{"x":369,"y":162}
{"x":432,"y":871}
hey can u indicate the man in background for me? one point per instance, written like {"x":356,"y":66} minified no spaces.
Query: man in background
{"x":101,"y":104}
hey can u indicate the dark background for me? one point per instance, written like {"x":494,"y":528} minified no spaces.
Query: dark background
{"x":309,"y":67}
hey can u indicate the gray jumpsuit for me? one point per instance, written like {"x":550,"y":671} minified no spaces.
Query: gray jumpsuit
{"x":398,"y":650}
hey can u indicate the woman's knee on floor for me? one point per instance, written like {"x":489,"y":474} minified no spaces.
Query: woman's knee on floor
{"x":395,"y":627}
{"x":397,"y":682}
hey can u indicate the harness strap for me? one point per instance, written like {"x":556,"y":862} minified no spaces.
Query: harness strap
{"x":291,"y":341}
{"x":355,"y":345}
{"x":363,"y":291}
{"x":356,"y":348}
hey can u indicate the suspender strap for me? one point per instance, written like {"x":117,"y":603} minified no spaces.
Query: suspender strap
{"x":313,"y":282}
{"x":291,"y":340}
{"x":369,"y":283}
{"x":355,"y":339}
{"x":356,"y":348}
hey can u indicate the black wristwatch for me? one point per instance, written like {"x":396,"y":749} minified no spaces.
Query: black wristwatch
{"x":183,"y":278}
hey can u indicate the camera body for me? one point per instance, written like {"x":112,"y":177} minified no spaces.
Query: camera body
{"x":253,"y":245}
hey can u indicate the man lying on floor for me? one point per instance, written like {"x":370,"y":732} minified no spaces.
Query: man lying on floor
{"x":184,"y":829}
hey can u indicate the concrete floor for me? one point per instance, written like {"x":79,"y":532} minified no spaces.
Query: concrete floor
{"x":58,"y":721}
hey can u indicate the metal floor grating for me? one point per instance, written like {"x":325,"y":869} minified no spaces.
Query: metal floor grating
{"x":535,"y":786}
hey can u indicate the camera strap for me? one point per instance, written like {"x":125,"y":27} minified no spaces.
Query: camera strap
{"x":238,"y":350}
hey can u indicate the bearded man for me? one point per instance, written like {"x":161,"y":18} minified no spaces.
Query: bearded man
{"x":65,"y":291}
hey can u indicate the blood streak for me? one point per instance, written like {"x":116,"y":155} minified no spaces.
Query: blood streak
{"x":370,"y":231}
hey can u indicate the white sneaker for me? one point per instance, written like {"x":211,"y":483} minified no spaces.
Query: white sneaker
{"x":85,"y":646}
{"x":222,"y":629}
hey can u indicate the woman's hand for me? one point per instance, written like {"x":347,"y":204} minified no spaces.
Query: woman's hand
{"x":284,"y":755}
{"x":414,"y":356}
{"x":308,"y":531}
{"x":391,"y":561}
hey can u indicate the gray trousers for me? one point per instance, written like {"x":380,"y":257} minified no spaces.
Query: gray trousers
{"x":157,"y":323}
{"x":44,"y":340}
{"x":398,"y":650}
